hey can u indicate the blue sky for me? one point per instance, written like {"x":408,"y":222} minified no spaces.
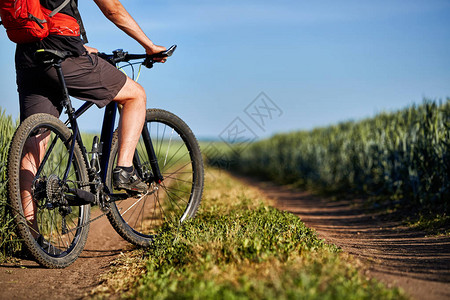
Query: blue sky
{"x":319,"y":62}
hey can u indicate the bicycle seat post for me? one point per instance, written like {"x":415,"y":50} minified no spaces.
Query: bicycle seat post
{"x":66,"y":100}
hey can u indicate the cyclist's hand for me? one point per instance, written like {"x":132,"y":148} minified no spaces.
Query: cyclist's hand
{"x":156,"y":49}
{"x":90,"y":50}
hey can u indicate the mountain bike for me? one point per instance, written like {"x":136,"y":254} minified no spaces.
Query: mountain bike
{"x":67,"y":179}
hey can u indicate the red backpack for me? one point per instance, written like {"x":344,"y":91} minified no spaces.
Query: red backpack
{"x":28,"y":21}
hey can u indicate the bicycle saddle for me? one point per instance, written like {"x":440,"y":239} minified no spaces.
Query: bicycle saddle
{"x":48,"y":56}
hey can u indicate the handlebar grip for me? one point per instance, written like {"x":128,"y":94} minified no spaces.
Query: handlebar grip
{"x":166,"y":53}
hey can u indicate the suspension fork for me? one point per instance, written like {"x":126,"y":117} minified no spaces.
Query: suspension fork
{"x":157,"y":176}
{"x":151,"y":154}
{"x":106,"y":138}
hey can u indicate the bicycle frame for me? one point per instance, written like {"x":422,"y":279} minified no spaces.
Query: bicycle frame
{"x":106,"y":135}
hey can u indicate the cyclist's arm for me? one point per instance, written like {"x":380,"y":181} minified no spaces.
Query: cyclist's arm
{"x":117,"y":14}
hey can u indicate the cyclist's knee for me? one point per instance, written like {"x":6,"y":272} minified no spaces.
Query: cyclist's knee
{"x":139,"y":93}
{"x":131,"y":91}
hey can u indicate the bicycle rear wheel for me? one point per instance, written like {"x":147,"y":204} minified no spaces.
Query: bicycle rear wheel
{"x":53,"y":232}
{"x":177,"y":197}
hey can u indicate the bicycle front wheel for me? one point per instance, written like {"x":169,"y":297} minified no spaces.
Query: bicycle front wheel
{"x":177,"y":197}
{"x":53,"y":231}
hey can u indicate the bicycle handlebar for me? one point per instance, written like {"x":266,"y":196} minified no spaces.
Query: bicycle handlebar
{"x":122,"y":56}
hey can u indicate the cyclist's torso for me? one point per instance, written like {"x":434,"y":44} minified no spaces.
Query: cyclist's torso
{"x":25,"y":52}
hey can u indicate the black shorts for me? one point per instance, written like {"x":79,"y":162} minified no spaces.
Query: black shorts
{"x":87,"y":77}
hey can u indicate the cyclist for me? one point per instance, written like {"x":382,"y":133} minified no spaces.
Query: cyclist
{"x":89,"y":78}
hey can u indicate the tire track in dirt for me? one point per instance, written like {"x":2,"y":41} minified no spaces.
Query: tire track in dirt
{"x":28,"y":280}
{"x":394,"y":254}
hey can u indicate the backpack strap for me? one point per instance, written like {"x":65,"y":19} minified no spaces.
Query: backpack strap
{"x":58,"y":9}
{"x":80,"y":21}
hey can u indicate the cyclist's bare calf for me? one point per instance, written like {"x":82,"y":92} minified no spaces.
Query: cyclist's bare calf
{"x":34,"y":150}
{"x":133,"y":99}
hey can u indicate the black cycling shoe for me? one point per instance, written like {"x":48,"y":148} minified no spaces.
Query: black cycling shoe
{"x":47,"y":246}
{"x":129,"y":181}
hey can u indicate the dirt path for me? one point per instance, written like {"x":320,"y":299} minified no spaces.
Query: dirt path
{"x":30,"y":281}
{"x":396,"y":255}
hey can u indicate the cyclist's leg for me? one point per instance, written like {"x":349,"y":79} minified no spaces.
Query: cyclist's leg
{"x":133,"y":100}
{"x":34,"y":151}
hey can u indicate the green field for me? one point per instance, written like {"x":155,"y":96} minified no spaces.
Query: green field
{"x":400,"y":159}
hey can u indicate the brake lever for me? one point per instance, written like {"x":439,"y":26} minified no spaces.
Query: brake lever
{"x":148,"y":62}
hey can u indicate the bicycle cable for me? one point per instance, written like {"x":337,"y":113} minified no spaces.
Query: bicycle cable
{"x":128,"y":64}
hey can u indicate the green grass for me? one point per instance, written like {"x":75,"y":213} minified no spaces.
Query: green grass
{"x":437,"y":224}
{"x":239,"y":247}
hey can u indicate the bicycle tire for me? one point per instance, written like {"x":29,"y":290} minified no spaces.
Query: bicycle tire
{"x":174,"y":200}
{"x":53,"y":248}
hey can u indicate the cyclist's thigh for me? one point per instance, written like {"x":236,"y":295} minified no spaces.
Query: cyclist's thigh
{"x":91,"y":78}
{"x":36,"y":94}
